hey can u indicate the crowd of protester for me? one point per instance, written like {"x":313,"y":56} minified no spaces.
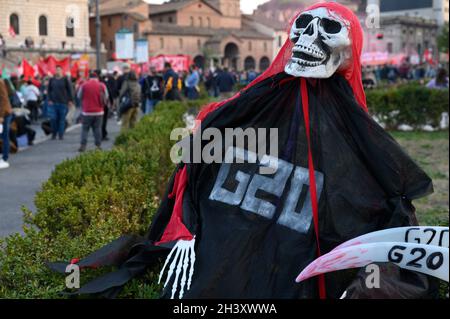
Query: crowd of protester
{"x":56,"y":102}
{"x":59,"y":101}
{"x":423,"y":73}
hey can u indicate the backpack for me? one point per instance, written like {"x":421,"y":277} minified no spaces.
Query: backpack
{"x":134,"y":93}
{"x":14,"y":100}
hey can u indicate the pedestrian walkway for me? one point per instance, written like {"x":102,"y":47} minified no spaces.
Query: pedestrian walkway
{"x":31,"y":168}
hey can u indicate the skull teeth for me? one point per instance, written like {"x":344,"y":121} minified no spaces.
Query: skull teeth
{"x":307,"y":63}
{"x":313,"y":52}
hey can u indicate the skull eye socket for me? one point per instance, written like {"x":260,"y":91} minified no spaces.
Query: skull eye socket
{"x":303,"y":21}
{"x":331,"y":26}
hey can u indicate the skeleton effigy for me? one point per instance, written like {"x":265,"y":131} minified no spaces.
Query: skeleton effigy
{"x":339,"y":196}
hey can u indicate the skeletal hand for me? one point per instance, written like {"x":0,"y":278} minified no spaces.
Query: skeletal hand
{"x":184,"y":258}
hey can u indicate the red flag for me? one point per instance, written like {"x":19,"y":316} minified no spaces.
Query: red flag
{"x":27,"y":69}
{"x":74,"y":70}
{"x":64,"y":64}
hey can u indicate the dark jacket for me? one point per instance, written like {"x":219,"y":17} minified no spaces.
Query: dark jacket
{"x":225,"y":82}
{"x":153,"y":87}
{"x":60,"y":91}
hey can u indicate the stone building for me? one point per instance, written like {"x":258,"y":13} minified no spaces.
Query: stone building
{"x":39,"y":27}
{"x":116,"y":15}
{"x":408,"y":27}
{"x":211,"y":32}
{"x":436,"y":10}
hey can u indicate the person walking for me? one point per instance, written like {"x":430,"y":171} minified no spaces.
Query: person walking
{"x":225,"y":83}
{"x":152,"y":90}
{"x":172,"y":83}
{"x":192,"y":82}
{"x":32,"y":96}
{"x":105,"y":79}
{"x":93,"y":96}
{"x":44,"y":94}
{"x":60,"y":96}
{"x":5,"y":122}
{"x":132,"y":89}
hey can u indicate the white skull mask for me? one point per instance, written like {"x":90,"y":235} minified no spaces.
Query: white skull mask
{"x":321,"y":44}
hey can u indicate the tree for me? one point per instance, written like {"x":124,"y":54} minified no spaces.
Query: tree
{"x":443,"y":39}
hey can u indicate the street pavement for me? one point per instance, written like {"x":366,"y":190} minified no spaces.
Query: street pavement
{"x":31,"y":167}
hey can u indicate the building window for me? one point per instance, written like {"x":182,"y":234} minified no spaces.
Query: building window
{"x":200,"y":21}
{"x":161,"y":43}
{"x":199,"y":43}
{"x":111,"y":45}
{"x":250,"y":46}
{"x":14,"y":23}
{"x":109,"y":22}
{"x":265,"y":46}
{"x":70,"y":27}
{"x":208,"y":19}
{"x":280,"y":41}
{"x":180,"y":40}
{"x":192,"y":21}
{"x":170,"y":20}
{"x":43,"y":26}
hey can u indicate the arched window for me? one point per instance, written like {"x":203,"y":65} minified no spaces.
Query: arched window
{"x":200,"y":21}
{"x":43,"y":31}
{"x":14,"y":23}
{"x":208,"y":19}
{"x":70,"y":27}
{"x":192,"y":21}
{"x":264,"y":63}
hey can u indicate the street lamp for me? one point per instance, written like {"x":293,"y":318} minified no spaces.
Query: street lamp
{"x":97,"y":33}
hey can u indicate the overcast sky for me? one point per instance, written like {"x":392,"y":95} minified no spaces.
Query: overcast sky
{"x":247,"y":6}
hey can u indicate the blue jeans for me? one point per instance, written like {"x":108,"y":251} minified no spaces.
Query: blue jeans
{"x":57,"y":113}
{"x":150,"y":106}
{"x":192,"y":93}
{"x":5,"y":136}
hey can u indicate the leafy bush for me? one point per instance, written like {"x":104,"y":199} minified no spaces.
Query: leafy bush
{"x":411,"y":104}
{"x":90,"y":201}
{"x":98,"y":196}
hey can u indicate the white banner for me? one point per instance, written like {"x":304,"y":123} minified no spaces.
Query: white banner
{"x":124,"y":45}
{"x":141,"y":51}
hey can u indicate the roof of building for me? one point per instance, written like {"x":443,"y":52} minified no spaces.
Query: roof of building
{"x":268,"y":22}
{"x":176,"y":5}
{"x":112,"y":7}
{"x":172,"y":29}
{"x":410,"y":21}
{"x":398,"y":5}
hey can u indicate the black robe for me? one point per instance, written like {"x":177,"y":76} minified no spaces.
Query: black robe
{"x":254,"y":233}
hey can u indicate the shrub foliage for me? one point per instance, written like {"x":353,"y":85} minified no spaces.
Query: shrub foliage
{"x":98,"y":196}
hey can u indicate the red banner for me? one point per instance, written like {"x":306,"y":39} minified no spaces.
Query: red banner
{"x":48,"y":65}
{"x":179,"y":62}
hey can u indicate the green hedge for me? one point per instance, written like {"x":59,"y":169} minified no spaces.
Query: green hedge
{"x":88,"y":202}
{"x":410,"y":104}
{"x":98,"y":196}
